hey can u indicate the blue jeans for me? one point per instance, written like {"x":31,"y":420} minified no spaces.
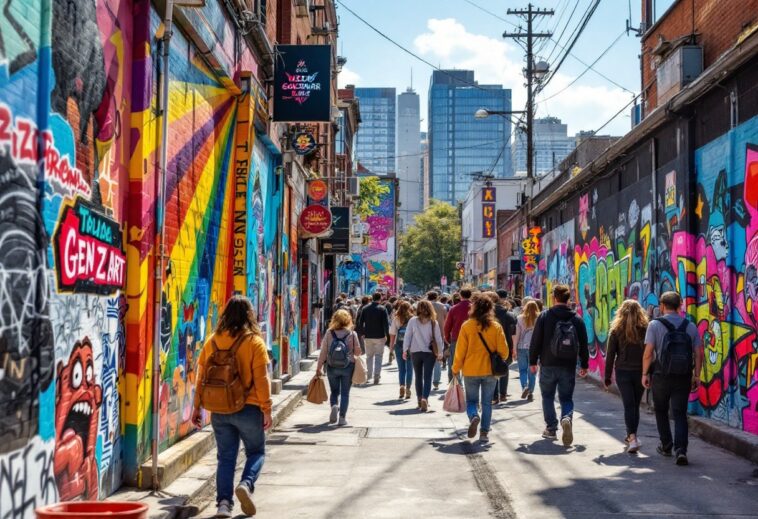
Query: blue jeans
{"x":247,"y":425}
{"x":404,"y":367}
{"x":477,"y":387}
{"x":340,"y":380}
{"x":437,"y":374}
{"x":563,"y":379}
{"x":450,"y":362}
{"x":423,"y":365}
{"x":528,"y":379}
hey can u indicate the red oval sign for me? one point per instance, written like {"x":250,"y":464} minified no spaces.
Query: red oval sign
{"x":317,"y":190}
{"x":316,"y":219}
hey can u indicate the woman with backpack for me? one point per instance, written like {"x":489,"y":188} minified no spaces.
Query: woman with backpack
{"x":398,"y":328}
{"x":523,"y":338}
{"x":626,"y":345}
{"x":232,"y":371}
{"x":480,"y":336}
{"x":339,"y":347}
{"x":423,"y":346}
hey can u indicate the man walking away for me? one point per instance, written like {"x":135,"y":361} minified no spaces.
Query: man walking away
{"x":672,"y":348}
{"x":508,"y":322}
{"x":559,"y":338}
{"x":364,"y":302}
{"x":375,"y":325}
{"x":457,"y":315}
{"x":441,"y":311}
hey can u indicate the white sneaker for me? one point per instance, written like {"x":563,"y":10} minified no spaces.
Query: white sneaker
{"x":634,"y":446}
{"x":333,"y":414}
{"x":342,"y":421}
{"x":245,"y":497}
{"x":568,"y":433}
{"x":224,"y":509}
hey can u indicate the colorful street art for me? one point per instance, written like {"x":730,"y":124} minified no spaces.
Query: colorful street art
{"x":377,"y":213}
{"x":707,"y":252}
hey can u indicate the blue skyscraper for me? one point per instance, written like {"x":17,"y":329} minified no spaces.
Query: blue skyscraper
{"x":459,"y":144}
{"x":376,"y":138}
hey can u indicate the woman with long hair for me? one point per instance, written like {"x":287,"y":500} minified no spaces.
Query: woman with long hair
{"x":523,"y":338}
{"x":626,"y":345}
{"x":422,"y":337}
{"x":237,"y":330}
{"x":480,"y":335}
{"x":339,"y":335}
{"x":398,"y":328}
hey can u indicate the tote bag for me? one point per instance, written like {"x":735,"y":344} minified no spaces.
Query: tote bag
{"x":455,"y":401}
{"x":360,"y":375}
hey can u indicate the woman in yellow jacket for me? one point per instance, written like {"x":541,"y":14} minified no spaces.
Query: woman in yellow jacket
{"x":473,"y":359}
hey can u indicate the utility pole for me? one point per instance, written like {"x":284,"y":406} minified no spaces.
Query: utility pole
{"x":532,"y":73}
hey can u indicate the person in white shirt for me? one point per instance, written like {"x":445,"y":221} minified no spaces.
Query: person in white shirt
{"x":423,"y":345}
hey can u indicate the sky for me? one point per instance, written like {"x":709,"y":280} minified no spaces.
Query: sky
{"x":456,"y":34}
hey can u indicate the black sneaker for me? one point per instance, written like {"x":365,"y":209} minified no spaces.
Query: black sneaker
{"x":681,"y":459}
{"x":660,"y":449}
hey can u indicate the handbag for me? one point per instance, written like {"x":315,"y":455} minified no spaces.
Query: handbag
{"x":433,"y":346}
{"x":317,"y":390}
{"x":360,"y":374}
{"x":499,"y":366}
{"x":455,"y":401}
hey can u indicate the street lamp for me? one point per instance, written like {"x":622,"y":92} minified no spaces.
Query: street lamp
{"x":483,"y":113}
{"x":541,"y":68}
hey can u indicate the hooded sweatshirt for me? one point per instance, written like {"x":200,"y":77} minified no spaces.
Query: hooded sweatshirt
{"x":539,"y":350}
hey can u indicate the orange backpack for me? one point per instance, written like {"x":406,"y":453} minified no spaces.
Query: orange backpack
{"x":221,"y":390}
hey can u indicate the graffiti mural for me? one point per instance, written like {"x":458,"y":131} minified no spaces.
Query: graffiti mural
{"x":377,"y":213}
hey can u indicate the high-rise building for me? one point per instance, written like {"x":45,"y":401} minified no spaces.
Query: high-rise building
{"x":424,"y":165}
{"x":376,"y":140}
{"x":410,"y":185}
{"x":461,"y":146}
{"x":551,"y":145}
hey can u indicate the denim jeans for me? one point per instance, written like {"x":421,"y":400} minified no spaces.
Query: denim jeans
{"x":374,"y":355}
{"x":501,"y":387}
{"x":404,"y":367}
{"x":423,"y":365}
{"x":673,"y":391}
{"x":528,"y":379}
{"x":437,"y":374}
{"x":477,"y":387}
{"x":450,"y":362}
{"x":340,"y":381}
{"x":564,"y":379}
{"x":630,"y":386}
{"x":247,"y":425}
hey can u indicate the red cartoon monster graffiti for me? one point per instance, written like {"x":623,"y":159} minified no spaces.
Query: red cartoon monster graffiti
{"x":77,"y":404}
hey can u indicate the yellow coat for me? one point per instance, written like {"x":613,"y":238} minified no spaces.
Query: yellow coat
{"x":471,"y":356}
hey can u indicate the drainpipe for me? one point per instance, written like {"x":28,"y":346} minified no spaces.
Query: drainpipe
{"x":160,"y":238}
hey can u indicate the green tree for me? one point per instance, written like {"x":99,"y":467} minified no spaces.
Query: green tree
{"x":431,"y":246}
{"x":370,"y":194}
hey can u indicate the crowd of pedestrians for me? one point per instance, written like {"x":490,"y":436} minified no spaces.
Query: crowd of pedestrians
{"x":475,"y":335}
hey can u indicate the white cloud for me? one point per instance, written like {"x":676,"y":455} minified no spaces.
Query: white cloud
{"x":347,"y":77}
{"x":582,"y":106}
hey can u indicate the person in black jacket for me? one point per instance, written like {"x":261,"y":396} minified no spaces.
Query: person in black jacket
{"x":558,"y":371}
{"x":374,"y":324}
{"x":508,"y":321}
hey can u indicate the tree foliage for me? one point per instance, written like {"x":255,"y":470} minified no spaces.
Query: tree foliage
{"x":370,"y":193}
{"x":431,"y":246}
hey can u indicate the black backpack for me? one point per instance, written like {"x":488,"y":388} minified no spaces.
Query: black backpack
{"x":565,"y":342}
{"x":338,"y":356}
{"x":675,"y":357}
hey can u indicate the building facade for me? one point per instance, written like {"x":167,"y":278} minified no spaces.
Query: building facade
{"x":460,"y":145}
{"x":410,"y":181}
{"x":551,"y":145}
{"x":376,"y":140}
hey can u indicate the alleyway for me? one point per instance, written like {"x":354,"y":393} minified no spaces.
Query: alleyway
{"x":393,"y":462}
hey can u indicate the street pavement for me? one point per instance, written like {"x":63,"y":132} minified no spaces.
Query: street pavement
{"x":392,"y":461}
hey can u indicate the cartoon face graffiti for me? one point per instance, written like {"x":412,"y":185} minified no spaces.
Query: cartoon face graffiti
{"x":717,"y":238}
{"x":77,"y":404}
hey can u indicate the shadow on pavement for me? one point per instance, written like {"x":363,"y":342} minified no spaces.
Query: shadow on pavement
{"x":403,"y":412}
{"x":395,"y":401}
{"x":545,"y":447}
{"x":312,"y":428}
{"x":461,"y":447}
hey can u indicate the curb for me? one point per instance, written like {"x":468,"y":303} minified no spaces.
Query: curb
{"x":179,"y":486}
{"x":744,"y":445}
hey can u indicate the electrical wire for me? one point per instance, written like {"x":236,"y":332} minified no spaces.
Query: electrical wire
{"x":563,"y":31}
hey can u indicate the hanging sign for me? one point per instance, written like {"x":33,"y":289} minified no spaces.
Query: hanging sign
{"x":304,"y":143}
{"x":316,"y":220}
{"x":318,"y":191}
{"x":302,"y":83}
{"x":488,"y":212}
{"x":531,"y":248}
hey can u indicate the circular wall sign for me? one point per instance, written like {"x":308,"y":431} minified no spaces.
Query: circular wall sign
{"x":303,"y":143}
{"x":317,"y":190}
{"x":316,"y":219}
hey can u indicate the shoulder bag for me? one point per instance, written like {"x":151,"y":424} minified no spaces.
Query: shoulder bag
{"x":499,"y":366}
{"x":433,"y":346}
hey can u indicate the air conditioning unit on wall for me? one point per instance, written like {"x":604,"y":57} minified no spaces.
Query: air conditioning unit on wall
{"x":353,"y":186}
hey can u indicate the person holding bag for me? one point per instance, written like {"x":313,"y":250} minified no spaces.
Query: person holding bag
{"x":398,"y":329}
{"x":423,"y":345}
{"x":339,"y":348}
{"x":523,"y":338}
{"x":480,"y":354}
{"x":232,"y":371}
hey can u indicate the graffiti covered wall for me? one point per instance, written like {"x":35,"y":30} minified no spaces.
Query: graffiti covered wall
{"x":377,"y":212}
{"x":701,"y":241}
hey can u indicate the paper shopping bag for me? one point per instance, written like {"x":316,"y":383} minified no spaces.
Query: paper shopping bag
{"x":317,"y":391}
{"x":360,"y":375}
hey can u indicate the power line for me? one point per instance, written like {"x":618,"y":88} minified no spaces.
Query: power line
{"x":568,"y":22}
{"x":577,"y":78}
{"x":481,"y":144}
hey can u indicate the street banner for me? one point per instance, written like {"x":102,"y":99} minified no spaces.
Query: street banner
{"x":302,"y":83}
{"x":488,"y":212}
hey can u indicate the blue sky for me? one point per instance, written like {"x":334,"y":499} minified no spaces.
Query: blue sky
{"x":455,"y":34}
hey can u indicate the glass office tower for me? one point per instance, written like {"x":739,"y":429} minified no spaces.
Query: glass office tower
{"x":376,"y":137}
{"x":551,"y":145}
{"x":461,"y":146}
